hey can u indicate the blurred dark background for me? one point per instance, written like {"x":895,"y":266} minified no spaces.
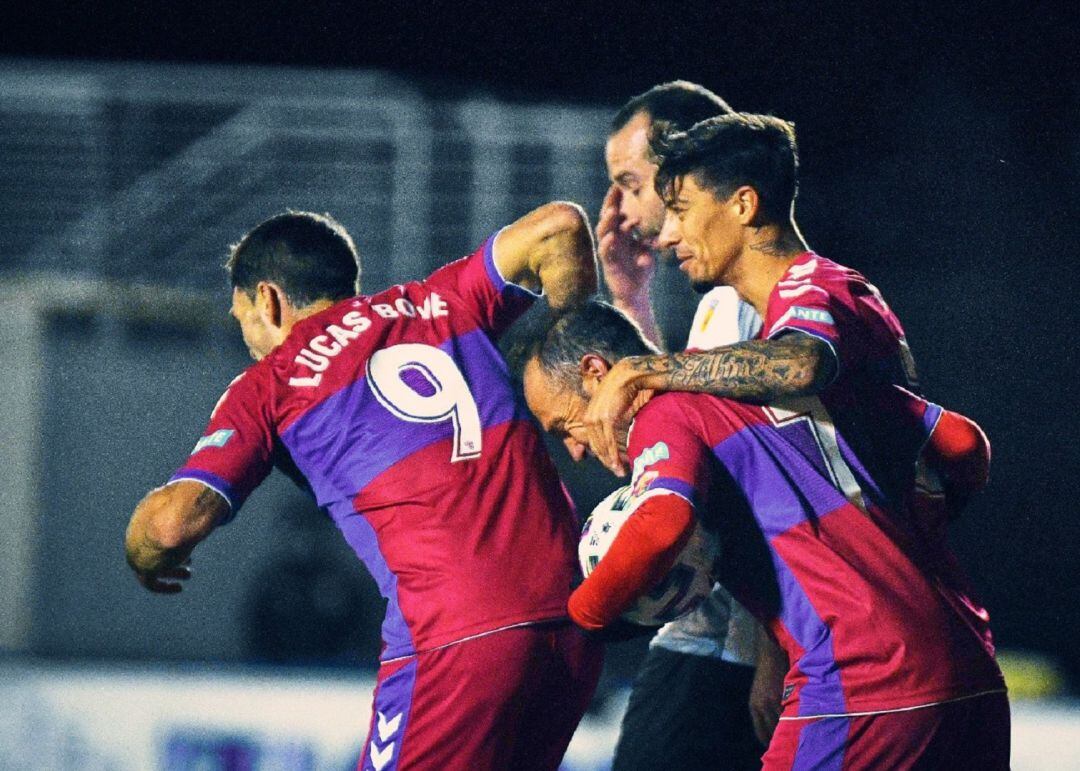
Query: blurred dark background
{"x":940,"y":157}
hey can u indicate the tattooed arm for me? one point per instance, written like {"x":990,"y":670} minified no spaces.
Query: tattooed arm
{"x":759,"y":371}
{"x":752,"y":371}
{"x":166,"y":526}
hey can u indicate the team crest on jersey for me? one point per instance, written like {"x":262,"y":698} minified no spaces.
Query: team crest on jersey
{"x":641,"y":484}
{"x":219,"y":438}
{"x":649,"y":456}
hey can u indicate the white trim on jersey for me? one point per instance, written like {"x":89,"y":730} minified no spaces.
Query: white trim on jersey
{"x":898,"y":709}
{"x":657,"y":491}
{"x":204,"y":483}
{"x":476,"y":636}
{"x":799,"y":291}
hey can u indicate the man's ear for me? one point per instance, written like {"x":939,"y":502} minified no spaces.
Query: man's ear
{"x":270,"y":302}
{"x":747,"y":204}
{"x":593,"y":367}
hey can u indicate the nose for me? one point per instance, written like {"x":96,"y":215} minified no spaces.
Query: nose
{"x":575,"y":448}
{"x":669,"y":232}
{"x":629,"y":214}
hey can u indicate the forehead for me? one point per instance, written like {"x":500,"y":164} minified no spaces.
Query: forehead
{"x":544,"y":397}
{"x":687,"y":190}
{"x":629,"y":146}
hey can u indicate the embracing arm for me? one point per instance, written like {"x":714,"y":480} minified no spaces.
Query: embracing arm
{"x":166,"y":526}
{"x":550,"y":249}
{"x":757,"y":371}
{"x":753,"y":370}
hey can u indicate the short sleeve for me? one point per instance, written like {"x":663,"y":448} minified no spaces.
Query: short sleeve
{"x":667,"y":455}
{"x":814,"y":300}
{"x":235,"y":453}
{"x":475,"y":280}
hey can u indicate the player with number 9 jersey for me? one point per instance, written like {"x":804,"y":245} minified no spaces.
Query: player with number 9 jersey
{"x":399,"y":412}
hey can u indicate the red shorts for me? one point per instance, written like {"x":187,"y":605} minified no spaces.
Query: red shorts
{"x":509,"y":699}
{"x":970,"y":733}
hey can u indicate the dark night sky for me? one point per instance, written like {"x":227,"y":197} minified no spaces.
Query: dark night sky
{"x":941,"y":156}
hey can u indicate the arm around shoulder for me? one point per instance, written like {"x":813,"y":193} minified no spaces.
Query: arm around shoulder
{"x":551,"y":250}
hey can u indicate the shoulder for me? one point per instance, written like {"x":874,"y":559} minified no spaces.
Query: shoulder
{"x":662,"y":415}
{"x":253,"y":381}
{"x":813,"y":290}
{"x":478,"y":267}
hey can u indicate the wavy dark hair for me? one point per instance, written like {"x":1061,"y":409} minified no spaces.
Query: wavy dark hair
{"x":725,"y":152}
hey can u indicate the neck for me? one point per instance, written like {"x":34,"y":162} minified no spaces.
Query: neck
{"x":291,"y":316}
{"x":764,"y":259}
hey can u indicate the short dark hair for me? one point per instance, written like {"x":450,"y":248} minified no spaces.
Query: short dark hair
{"x":310,"y":256}
{"x":677,"y":105}
{"x":727,"y":151}
{"x":595,"y":327}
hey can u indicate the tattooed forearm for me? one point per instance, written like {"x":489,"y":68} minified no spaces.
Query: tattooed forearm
{"x":755,"y":371}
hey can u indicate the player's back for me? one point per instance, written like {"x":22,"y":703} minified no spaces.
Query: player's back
{"x":867,"y":625}
{"x":400,"y":412}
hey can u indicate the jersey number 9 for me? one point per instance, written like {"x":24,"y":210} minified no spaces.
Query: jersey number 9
{"x":422,"y":384}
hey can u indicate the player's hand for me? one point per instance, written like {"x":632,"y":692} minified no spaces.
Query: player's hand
{"x":167,"y":581}
{"x":766,"y":692}
{"x":628,"y":266}
{"x":617,"y":399}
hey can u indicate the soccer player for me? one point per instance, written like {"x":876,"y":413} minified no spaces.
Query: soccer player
{"x":831,"y":355}
{"x":709,"y":654}
{"x":892,"y":664}
{"x":397,"y":410}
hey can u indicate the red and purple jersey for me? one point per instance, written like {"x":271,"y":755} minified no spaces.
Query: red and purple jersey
{"x":822,"y":541}
{"x":399,"y":412}
{"x":871,"y":399}
{"x":868,"y":621}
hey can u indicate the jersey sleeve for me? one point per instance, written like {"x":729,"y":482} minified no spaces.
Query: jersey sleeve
{"x":236,"y":452}
{"x":667,"y":455}
{"x":807,"y":300}
{"x":481,"y":290}
{"x":668,"y":459}
{"x":642,"y":553}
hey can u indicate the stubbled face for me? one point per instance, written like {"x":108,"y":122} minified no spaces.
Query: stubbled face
{"x":629,"y":168}
{"x":558,"y":409}
{"x":253,"y":327}
{"x":704,"y":232}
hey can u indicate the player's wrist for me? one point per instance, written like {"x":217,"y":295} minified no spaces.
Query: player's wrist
{"x":642,"y":372}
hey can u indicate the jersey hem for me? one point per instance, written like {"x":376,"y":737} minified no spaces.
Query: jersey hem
{"x":904,"y":708}
{"x":476,"y":636}
{"x":470,"y":633}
